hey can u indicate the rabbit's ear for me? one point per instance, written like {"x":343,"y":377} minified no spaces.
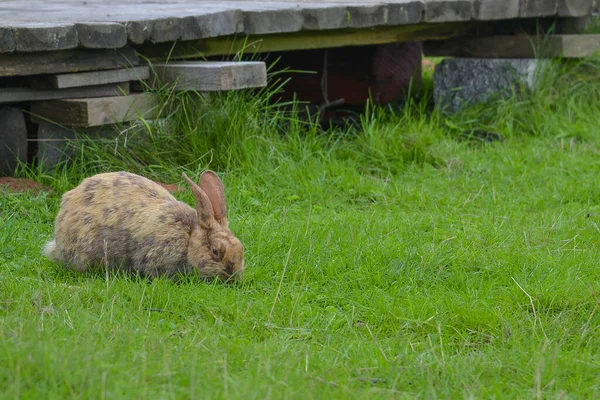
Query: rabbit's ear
{"x":203,"y":206}
{"x":213,"y":187}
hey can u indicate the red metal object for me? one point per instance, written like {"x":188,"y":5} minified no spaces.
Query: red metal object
{"x":383,"y":73}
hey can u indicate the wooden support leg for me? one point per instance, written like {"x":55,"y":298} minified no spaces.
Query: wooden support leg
{"x":13,"y":139}
{"x":383,"y":73}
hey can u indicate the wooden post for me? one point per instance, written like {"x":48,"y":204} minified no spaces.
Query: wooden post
{"x":13,"y":139}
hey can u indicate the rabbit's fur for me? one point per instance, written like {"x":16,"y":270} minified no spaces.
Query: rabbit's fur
{"x":126,"y":221}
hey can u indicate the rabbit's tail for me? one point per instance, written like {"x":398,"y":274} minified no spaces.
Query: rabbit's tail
{"x":50,"y":249}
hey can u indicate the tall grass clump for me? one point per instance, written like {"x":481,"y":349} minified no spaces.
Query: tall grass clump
{"x":560,"y":104}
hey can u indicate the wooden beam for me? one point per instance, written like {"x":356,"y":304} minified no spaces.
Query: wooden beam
{"x":96,"y":112}
{"x":213,"y":76}
{"x":62,"y":81}
{"x":15,"y":95}
{"x":305,"y":40}
{"x":567,"y":46}
{"x":13,"y":139}
{"x":56,"y":62}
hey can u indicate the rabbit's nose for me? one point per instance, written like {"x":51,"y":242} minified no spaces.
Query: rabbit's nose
{"x":229,"y":268}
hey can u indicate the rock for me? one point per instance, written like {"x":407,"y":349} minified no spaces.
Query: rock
{"x":55,"y":141}
{"x":461,"y":81}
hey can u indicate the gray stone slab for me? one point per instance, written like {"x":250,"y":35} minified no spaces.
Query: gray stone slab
{"x":102,"y":35}
{"x":537,"y":8}
{"x":485,"y":10}
{"x":575,"y":8}
{"x":460,"y":81}
{"x":13,"y":139}
{"x":448,"y":10}
{"x":44,"y":37}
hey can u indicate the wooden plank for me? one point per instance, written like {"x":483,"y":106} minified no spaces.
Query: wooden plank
{"x":15,"y":95}
{"x":7,"y":40}
{"x":159,"y":30}
{"x":93,"y":78}
{"x":41,"y":36}
{"x":213,"y":24}
{"x":567,"y":46}
{"x":262,"y":21}
{"x":101,"y":35}
{"x":24,"y":64}
{"x":213,"y":76}
{"x":13,"y":139}
{"x":575,"y":8}
{"x":448,"y":10}
{"x":405,"y":13}
{"x":538,"y":8}
{"x":52,"y":25}
{"x":305,"y":40}
{"x":484,"y":10}
{"x":97,"y":111}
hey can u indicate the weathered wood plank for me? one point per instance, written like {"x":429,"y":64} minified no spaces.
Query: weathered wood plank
{"x":537,"y":8}
{"x":263,"y":21}
{"x":7,"y":40}
{"x":93,"y":78}
{"x":160,"y":30}
{"x":567,"y":46}
{"x":448,"y":10}
{"x":64,"y":24}
{"x":23,"y":64}
{"x":97,"y":111}
{"x":409,"y":12}
{"x":13,"y":139}
{"x":572,"y":25}
{"x":44,"y":36}
{"x":305,"y":40}
{"x":575,"y":8}
{"x":213,"y":76}
{"x":15,"y":95}
{"x":485,"y":10}
{"x":101,"y":35}
{"x":213,"y":24}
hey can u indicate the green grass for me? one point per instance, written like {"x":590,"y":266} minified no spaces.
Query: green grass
{"x":397,"y":259}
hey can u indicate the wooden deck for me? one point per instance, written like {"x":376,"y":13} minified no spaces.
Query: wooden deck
{"x":38,"y":25}
{"x":80,"y":62}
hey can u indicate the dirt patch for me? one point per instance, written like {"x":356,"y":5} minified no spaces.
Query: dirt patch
{"x":21,"y":185}
{"x":428,"y":65}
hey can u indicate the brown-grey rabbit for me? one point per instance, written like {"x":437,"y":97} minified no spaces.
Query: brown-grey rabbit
{"x":133,"y":223}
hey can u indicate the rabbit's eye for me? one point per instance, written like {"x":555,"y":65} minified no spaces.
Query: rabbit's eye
{"x":216,"y":254}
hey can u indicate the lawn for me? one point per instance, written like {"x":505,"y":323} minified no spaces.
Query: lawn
{"x":402,"y":257}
